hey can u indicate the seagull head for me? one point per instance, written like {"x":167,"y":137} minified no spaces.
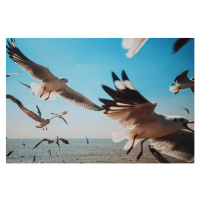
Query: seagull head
{"x":182,"y":122}
{"x":64,"y":80}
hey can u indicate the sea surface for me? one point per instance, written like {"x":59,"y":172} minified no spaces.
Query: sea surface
{"x":78,"y":151}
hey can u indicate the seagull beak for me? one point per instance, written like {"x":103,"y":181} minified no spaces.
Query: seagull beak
{"x":186,"y":125}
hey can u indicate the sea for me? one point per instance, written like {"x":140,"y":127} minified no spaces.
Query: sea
{"x":77,"y":151}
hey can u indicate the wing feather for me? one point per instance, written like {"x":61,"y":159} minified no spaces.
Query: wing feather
{"x":44,"y":140}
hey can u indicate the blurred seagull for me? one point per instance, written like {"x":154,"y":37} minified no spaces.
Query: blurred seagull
{"x":130,"y":108}
{"x":8,"y":75}
{"x":186,"y":110}
{"x":38,"y":111}
{"x":52,"y":141}
{"x":34,"y":159}
{"x":182,"y":82}
{"x":133,"y":45}
{"x":60,"y":116}
{"x":43,"y":122}
{"x":50,"y":84}
{"x":179,"y":44}
{"x":9,"y":153}
{"x":179,"y":145}
{"x":158,"y":156}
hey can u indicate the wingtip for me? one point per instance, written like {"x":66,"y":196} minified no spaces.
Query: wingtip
{"x":124,"y":76}
{"x":115,"y":77}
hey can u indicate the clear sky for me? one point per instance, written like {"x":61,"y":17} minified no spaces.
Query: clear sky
{"x":87,"y":64}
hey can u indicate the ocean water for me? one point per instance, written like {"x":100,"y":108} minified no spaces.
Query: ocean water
{"x":78,"y":151}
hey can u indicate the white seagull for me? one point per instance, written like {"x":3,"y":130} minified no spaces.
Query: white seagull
{"x":43,"y":122}
{"x":182,"y":82}
{"x":131,"y":109}
{"x":60,"y":116}
{"x":133,"y":45}
{"x":50,"y":84}
{"x":8,"y":75}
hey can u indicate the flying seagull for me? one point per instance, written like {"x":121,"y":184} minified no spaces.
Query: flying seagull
{"x":131,"y":109}
{"x":8,"y":75}
{"x":179,"y":44}
{"x":179,"y":145}
{"x":50,"y":83}
{"x":133,"y":45}
{"x":9,"y":153}
{"x":182,"y":82}
{"x":87,"y":140}
{"x":61,"y":139}
{"x":34,"y":159}
{"x":43,"y":122}
{"x":160,"y":158}
{"x":186,"y":110}
{"x":60,"y":116}
{"x":44,"y":140}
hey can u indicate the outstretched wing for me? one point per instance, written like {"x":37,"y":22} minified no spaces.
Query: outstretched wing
{"x":63,"y":140}
{"x":74,"y":97}
{"x":64,"y":120}
{"x":36,"y":71}
{"x":44,"y":140}
{"x":25,"y":110}
{"x":182,"y":77}
{"x":180,"y":43}
{"x":128,"y":106}
{"x":38,"y":111}
{"x":9,"y":153}
{"x":8,"y":75}
{"x":179,"y":145}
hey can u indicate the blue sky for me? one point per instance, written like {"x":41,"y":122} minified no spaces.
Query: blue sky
{"x":87,"y":64}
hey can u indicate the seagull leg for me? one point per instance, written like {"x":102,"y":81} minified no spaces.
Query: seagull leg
{"x":132,"y":145}
{"x":42,"y":92}
{"x":141,"y":152}
{"x":48,"y":96}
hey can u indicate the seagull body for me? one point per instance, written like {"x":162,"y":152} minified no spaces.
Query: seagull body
{"x":131,"y":109}
{"x":50,"y":83}
{"x":8,"y":75}
{"x":133,"y":45}
{"x":182,"y":82}
{"x":43,"y":122}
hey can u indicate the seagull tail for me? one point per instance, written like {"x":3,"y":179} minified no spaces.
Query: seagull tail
{"x":174,"y":88}
{"x":119,"y":136}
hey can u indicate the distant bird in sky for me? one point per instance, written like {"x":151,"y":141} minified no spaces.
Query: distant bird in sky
{"x":50,"y":84}
{"x":52,"y":141}
{"x":179,"y":145}
{"x":179,"y":44}
{"x":8,"y":75}
{"x":60,"y":116}
{"x":133,"y":45}
{"x":9,"y":153}
{"x":182,"y":82}
{"x":44,"y":140}
{"x":186,"y":110}
{"x":43,"y":122}
{"x":131,"y":109}
{"x":160,"y":158}
{"x":34,"y":159}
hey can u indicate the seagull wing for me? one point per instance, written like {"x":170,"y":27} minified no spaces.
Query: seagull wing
{"x":44,"y":140}
{"x":25,"y":85}
{"x":63,"y":140}
{"x":180,"y":43}
{"x":8,"y":75}
{"x":9,"y":153}
{"x":63,"y":113}
{"x":128,"y":106}
{"x":25,"y":110}
{"x":38,"y":111}
{"x":133,"y":45}
{"x":74,"y":97}
{"x":36,"y":71}
{"x":179,"y":145}
{"x":160,"y":158}
{"x":64,"y":120}
{"x":182,"y":77}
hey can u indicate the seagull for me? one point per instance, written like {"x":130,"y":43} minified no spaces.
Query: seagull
{"x":52,"y":141}
{"x":186,"y":110}
{"x":9,"y":153}
{"x":87,"y":140}
{"x":131,"y":109}
{"x":43,"y":122}
{"x":179,"y":145}
{"x":50,"y":83}
{"x":38,"y":111}
{"x":182,"y":82}
{"x":24,"y":144}
{"x":8,"y":75}
{"x":180,"y":43}
{"x":60,"y":116}
{"x":133,"y":45}
{"x":34,"y":159}
{"x":49,"y":151}
{"x":158,"y":156}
